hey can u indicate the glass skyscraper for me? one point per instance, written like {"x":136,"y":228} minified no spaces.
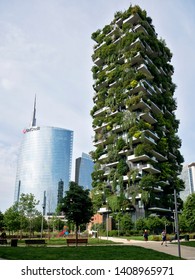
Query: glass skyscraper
{"x":188,"y":176}
{"x":83,"y":171}
{"x":45,"y":159}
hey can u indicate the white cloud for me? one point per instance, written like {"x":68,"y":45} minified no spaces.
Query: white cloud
{"x":46,"y":48}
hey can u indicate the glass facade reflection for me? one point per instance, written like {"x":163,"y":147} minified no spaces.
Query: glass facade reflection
{"x":83,"y":170}
{"x":45,"y":159}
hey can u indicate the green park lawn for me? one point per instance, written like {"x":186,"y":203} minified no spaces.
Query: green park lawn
{"x":108,"y":252}
{"x":97,"y":249}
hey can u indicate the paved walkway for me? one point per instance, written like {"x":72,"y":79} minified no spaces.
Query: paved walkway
{"x":186,"y":252}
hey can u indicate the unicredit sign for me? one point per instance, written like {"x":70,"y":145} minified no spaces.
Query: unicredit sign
{"x":31,"y":129}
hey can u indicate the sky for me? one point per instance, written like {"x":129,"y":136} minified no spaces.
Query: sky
{"x":45,"y":50}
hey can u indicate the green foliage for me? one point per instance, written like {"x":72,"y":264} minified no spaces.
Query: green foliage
{"x":189,"y":212}
{"x":147,"y":181}
{"x":133,"y":83}
{"x":141,"y":224}
{"x":97,"y":198}
{"x":1,"y":220}
{"x":122,"y":167}
{"x":126,"y":222}
{"x":119,"y":252}
{"x":117,"y":66}
{"x":12,"y":218}
{"x":155,"y":224}
{"x":27,"y":204}
{"x":77,"y":205}
{"x":114,"y":203}
{"x":142,"y":149}
{"x":95,"y":35}
{"x":36,"y":223}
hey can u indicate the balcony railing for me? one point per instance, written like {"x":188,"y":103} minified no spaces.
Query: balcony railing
{"x":140,"y":105}
{"x":98,"y":61}
{"x":119,"y":22}
{"x":144,"y":69}
{"x":137,"y":58}
{"x":159,"y":156}
{"x":140,"y":28}
{"x":150,"y":168}
{"x":148,"y":118}
{"x":155,"y":108}
{"x":100,"y":85}
{"x":152,"y":134}
{"x":133,"y":19}
{"x":102,"y":110}
{"x":158,"y":189}
{"x":134,"y":158}
{"x":100,"y":126}
{"x":136,"y":43}
{"x":143,"y":138}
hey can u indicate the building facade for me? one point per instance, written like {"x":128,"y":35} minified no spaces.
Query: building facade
{"x":83,"y":170}
{"x":188,"y":176}
{"x":45,"y":159}
{"x":136,"y":155}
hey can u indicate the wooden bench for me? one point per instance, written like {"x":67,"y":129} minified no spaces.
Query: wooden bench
{"x":79,"y":241}
{"x":37,"y":242}
{"x":3,"y":241}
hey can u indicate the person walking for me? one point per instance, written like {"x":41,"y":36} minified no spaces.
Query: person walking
{"x":145,"y":235}
{"x":164,"y":237}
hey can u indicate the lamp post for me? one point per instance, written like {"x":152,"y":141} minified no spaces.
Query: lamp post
{"x":107,"y":219}
{"x":42,"y":220}
{"x":177,"y":224}
{"x":107,"y":226}
{"x":43,"y":214}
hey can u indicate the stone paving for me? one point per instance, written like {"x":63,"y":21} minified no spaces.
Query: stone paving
{"x":186,"y":252}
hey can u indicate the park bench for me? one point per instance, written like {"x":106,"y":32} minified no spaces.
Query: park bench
{"x":79,"y":241}
{"x":37,"y":242}
{"x":3,"y":241}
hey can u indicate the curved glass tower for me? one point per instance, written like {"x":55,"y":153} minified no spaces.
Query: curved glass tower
{"x":45,"y":158}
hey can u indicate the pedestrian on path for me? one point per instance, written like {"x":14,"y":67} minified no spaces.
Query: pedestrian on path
{"x":164,"y":237}
{"x":145,"y":235}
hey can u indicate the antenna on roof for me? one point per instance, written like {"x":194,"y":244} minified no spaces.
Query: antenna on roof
{"x":34,"y":114}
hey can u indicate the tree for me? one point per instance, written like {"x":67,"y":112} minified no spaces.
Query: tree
{"x":141,"y":223}
{"x":27,"y":208}
{"x":1,"y":220}
{"x":12,"y":218}
{"x":77,"y":206}
{"x":189,"y":212}
{"x":37,"y":221}
{"x":126,"y":222}
{"x":155,"y":224}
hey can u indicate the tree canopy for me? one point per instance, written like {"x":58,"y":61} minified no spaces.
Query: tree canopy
{"x":188,"y":214}
{"x":77,"y":205}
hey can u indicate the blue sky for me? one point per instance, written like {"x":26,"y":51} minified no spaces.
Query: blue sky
{"x":46,"y":48}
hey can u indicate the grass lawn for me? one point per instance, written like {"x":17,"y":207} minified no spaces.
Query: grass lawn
{"x":187,"y":243}
{"x":109,"y":252}
{"x":96,"y":250}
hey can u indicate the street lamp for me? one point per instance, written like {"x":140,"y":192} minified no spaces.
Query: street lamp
{"x":176,"y":223}
{"x":42,"y":220}
{"x":43,"y":214}
{"x":107,"y":226}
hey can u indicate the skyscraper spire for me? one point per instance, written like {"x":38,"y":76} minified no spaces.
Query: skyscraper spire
{"x":34,"y":114}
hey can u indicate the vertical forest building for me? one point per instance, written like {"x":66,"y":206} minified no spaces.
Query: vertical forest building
{"x":136,"y":155}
